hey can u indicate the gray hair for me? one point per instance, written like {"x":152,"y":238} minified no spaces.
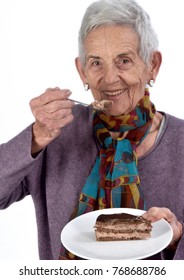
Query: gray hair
{"x":119,"y":12}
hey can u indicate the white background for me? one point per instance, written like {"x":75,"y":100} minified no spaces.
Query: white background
{"x":38,"y":45}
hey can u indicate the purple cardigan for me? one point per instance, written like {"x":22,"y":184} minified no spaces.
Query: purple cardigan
{"x":56,"y":176}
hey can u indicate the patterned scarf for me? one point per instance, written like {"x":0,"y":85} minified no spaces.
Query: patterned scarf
{"x":114,"y":179}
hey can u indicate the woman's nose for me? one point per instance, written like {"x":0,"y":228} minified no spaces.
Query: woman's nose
{"x":111,"y":74}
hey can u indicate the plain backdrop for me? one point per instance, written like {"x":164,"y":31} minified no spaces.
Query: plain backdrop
{"x":38,"y":45}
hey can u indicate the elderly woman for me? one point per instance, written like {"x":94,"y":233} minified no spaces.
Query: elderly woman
{"x":80,"y":156}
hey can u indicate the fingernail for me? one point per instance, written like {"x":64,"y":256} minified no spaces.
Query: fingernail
{"x":68,"y":92}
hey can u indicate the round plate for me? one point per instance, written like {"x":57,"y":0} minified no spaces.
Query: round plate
{"x":78,"y":236}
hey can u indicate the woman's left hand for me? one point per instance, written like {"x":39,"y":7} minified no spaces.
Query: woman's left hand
{"x":156,"y":213}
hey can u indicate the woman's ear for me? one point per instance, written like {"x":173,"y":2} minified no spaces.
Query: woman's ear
{"x":80,"y":70}
{"x":156,"y":62}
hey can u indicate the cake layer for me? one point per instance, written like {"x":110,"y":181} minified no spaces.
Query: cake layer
{"x":113,"y":227}
{"x":106,"y":236}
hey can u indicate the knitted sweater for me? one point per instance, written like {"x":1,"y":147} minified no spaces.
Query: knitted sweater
{"x":56,"y":176}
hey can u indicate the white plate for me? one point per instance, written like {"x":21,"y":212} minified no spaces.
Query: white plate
{"x":78,"y":236}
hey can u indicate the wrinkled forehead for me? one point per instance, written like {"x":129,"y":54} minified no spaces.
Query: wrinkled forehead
{"x":111,"y":39}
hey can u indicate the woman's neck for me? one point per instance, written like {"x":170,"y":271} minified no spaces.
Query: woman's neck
{"x":149,"y":140}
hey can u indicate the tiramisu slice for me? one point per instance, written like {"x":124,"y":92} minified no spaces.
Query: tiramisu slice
{"x":112,"y":227}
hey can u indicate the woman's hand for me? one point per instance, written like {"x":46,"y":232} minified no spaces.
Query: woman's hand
{"x":52,"y":111}
{"x":155,"y":213}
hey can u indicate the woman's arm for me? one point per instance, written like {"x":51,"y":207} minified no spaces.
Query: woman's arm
{"x":15,"y":163}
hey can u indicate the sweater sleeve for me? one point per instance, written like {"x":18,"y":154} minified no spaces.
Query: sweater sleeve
{"x":175,"y":253}
{"x":15,"y":163}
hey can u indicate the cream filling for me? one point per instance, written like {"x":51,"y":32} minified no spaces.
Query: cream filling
{"x":122,"y":235}
{"x":125,"y":228}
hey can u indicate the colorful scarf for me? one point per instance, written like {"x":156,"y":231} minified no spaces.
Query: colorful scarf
{"x":114,"y":179}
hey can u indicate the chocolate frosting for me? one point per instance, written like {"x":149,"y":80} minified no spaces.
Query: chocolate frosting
{"x":120,"y":216}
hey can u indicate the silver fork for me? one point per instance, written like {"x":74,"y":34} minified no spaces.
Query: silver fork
{"x":79,"y":102}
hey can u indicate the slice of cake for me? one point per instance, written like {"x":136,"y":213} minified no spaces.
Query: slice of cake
{"x":111,"y":227}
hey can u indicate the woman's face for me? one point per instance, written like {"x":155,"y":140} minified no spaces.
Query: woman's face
{"x":113,"y":68}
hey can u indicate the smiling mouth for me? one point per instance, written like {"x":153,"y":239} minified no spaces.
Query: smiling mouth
{"x":115,"y":92}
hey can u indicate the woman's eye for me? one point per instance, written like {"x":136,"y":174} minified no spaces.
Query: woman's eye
{"x":124,"y":63}
{"x":95,"y":63}
{"x":125,"y":60}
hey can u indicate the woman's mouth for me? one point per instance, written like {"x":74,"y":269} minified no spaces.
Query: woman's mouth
{"x":114,"y":93}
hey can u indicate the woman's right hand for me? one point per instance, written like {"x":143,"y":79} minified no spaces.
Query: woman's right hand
{"x":156,"y":213}
{"x":52,"y":111}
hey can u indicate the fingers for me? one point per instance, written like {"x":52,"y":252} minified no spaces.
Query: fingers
{"x":156,"y":213}
{"x":52,"y":111}
{"x":53,"y":104}
{"x":49,"y":96}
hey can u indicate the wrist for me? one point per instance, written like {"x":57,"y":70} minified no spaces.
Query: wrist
{"x":173,"y":245}
{"x":40,"y":138}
